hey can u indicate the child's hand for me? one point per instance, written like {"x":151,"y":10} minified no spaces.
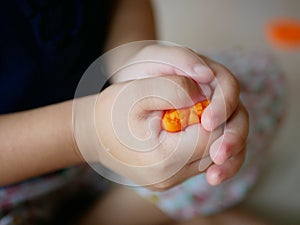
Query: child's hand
{"x":227,"y":152}
{"x":128,"y":124}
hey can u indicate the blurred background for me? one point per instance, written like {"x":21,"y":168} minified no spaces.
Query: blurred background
{"x":213,"y":25}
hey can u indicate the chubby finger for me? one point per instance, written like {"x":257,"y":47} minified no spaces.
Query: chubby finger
{"x":234,"y":138}
{"x":216,"y":174}
{"x":225,"y":97}
{"x":156,"y":58}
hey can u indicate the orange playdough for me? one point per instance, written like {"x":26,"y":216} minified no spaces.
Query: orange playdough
{"x":175,"y":120}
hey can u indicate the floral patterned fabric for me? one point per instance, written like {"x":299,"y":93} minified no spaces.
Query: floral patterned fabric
{"x":49,"y":199}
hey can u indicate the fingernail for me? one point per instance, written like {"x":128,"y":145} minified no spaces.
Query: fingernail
{"x":215,"y":179}
{"x":204,"y":73}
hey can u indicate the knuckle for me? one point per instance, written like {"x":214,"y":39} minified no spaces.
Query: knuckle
{"x":233,"y":102}
{"x":232,"y":81}
{"x":232,"y":105}
{"x":186,"y":56}
{"x":178,"y":50}
{"x":239,"y":139}
{"x":227,"y":150}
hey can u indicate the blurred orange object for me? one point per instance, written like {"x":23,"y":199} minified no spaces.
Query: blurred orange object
{"x":284,"y":33}
{"x":175,"y":120}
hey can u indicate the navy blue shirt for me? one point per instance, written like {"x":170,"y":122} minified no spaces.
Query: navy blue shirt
{"x":45,"y":47}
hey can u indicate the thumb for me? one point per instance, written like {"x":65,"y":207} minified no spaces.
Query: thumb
{"x":167,"y":92}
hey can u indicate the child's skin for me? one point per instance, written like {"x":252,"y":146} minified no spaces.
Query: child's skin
{"x":51,"y":127}
{"x":225,"y":98}
{"x":226,"y":162}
